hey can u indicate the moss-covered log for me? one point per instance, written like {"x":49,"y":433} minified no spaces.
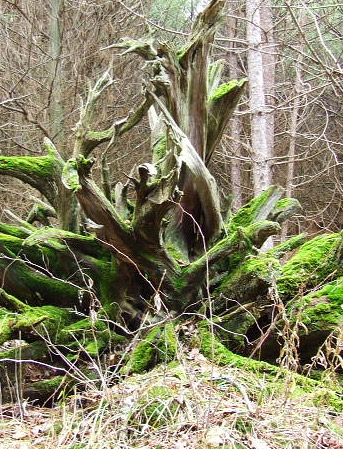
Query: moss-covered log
{"x":316,"y":262}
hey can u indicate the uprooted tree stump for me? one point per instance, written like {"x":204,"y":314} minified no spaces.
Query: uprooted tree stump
{"x":71,"y":293}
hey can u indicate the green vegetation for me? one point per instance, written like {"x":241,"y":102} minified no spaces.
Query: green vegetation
{"x":41,"y":167}
{"x":160,"y":345}
{"x":250,"y":211}
{"x":226,"y":88}
{"x":320,"y":310}
{"x":317,"y":261}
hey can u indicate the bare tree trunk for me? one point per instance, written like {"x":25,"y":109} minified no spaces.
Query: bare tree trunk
{"x":269,"y":61}
{"x":56,"y":112}
{"x":235,"y":126}
{"x":259,"y":125}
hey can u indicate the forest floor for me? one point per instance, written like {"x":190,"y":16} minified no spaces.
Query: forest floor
{"x":189,"y":403}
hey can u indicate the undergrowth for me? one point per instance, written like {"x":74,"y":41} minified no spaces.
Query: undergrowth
{"x":191,"y":402}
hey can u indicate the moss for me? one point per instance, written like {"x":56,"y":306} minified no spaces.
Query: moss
{"x":37,"y":350}
{"x":262,"y":267}
{"x":289,"y":245}
{"x":20,"y":232}
{"x":38,"y":288}
{"x":104,"y":278}
{"x":275,"y":376}
{"x":45,"y":236}
{"x":284,"y":204}
{"x":174,"y":252}
{"x":159,"y":149}
{"x":160,"y":345}
{"x":321,"y":310}
{"x":70,"y":175}
{"x":42,"y":166}
{"x":315,"y":262}
{"x":46,"y":319}
{"x":212,"y":349}
{"x":225,"y":88}
{"x":93,"y":348}
{"x":323,"y":396}
{"x":10,"y":242}
{"x":157,"y":406}
{"x":46,"y":387}
{"x":93,"y":337}
{"x":53,"y":320}
{"x":248,"y":213}
{"x":6,"y":323}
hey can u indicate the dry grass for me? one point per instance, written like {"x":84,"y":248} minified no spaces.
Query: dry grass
{"x":189,"y":404}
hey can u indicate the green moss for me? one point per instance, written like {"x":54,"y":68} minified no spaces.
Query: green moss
{"x":156,"y":407}
{"x":212,"y":349}
{"x":20,"y":232}
{"x":160,"y":345}
{"x":11,"y":242}
{"x":46,"y":319}
{"x":315,"y":262}
{"x":174,"y":252}
{"x":50,"y":386}
{"x":93,"y":337}
{"x":263,"y":267}
{"x":42,"y":287}
{"x":225,"y":88}
{"x":324,"y":396}
{"x":284,"y":204}
{"x":248,"y":213}
{"x":159,"y":149}
{"x":53,"y":319}
{"x":289,"y":245}
{"x":6,"y":321}
{"x":42,"y":166}
{"x":46,"y":236}
{"x":70,"y":175}
{"x":104,"y":278}
{"x":37,"y":350}
{"x":273,"y":377}
{"x":321,"y":310}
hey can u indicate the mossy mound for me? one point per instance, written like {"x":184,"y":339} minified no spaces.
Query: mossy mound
{"x":274,"y":377}
{"x":160,"y":345}
{"x":317,"y":261}
{"x":250,"y":280}
{"x":89,"y":337}
{"x":321,"y":310}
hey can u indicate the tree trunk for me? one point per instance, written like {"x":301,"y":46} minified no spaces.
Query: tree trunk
{"x":235,"y":126}
{"x":259,"y":117}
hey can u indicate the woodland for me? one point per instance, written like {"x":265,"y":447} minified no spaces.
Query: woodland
{"x":170,"y":184}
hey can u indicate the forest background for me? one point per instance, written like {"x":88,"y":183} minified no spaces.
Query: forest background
{"x":51,"y":50}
